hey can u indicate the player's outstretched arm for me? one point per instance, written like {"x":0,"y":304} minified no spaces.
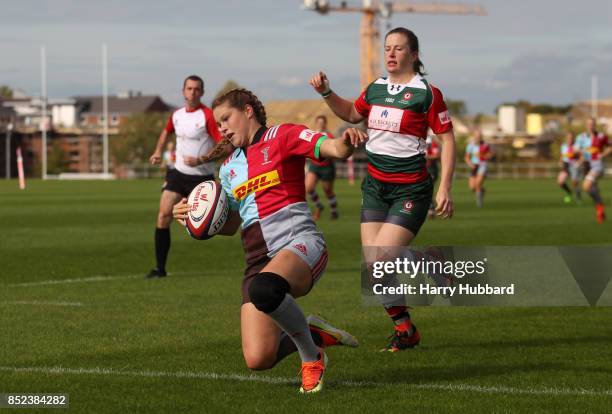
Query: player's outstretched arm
{"x":342,"y":148}
{"x":343,"y":108}
{"x":467,"y":160}
{"x":232,"y":224}
{"x":156,"y":158}
{"x":444,"y":201}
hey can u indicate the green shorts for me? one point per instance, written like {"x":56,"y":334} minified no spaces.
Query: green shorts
{"x":325,"y":173}
{"x":403,"y":204}
{"x":433,"y":170}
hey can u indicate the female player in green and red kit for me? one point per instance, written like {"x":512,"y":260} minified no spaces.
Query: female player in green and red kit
{"x":397,"y":190}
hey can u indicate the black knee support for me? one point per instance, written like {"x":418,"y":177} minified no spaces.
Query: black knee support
{"x":267,"y":291}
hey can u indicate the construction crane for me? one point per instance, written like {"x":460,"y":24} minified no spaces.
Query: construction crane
{"x":370,"y":33}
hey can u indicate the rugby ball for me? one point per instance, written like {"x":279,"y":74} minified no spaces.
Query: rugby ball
{"x":209,"y":210}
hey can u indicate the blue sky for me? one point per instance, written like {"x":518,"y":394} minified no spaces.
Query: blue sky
{"x":541,"y":50}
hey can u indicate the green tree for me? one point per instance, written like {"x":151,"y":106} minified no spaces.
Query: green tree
{"x":478,"y":118}
{"x":6,"y":92}
{"x":137,"y":137}
{"x":539,"y":108}
{"x":456,"y":108}
{"x":57,"y":160}
{"x":229,"y":85}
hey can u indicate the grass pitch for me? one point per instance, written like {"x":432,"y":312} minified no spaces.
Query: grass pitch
{"x":77,"y":317}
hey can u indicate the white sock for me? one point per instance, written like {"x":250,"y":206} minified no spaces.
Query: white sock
{"x":290,"y":318}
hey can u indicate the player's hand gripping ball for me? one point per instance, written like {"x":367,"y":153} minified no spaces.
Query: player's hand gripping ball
{"x":209,"y":210}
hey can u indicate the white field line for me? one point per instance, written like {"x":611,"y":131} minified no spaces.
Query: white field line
{"x":41,"y":303}
{"x":92,"y":279}
{"x":284,"y":380}
{"x":75,"y":280}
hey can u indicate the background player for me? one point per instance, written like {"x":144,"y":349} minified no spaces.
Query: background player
{"x":169,"y":157}
{"x":594,"y":148}
{"x":477,"y":155}
{"x":196,"y":133}
{"x":397,"y":190}
{"x":285,"y":254}
{"x":433,"y":166}
{"x":570,"y":168}
{"x":324,"y":170}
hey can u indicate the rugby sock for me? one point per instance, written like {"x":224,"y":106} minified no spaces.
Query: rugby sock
{"x":578,"y":193}
{"x":290,"y":318}
{"x":479,"y":198}
{"x":400,"y":317}
{"x":314,"y":197}
{"x":594,"y":193}
{"x":162,"y":246}
{"x":286,"y":346}
{"x":333,"y":204}
{"x":566,"y":188}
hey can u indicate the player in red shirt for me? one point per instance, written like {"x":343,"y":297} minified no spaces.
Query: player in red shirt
{"x":285,"y":254}
{"x":569,"y":161}
{"x":196,"y":133}
{"x":324,"y":170}
{"x":477,"y":156}
{"x":595,"y":147}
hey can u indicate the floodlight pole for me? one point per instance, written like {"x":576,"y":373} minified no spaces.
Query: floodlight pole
{"x":594,"y":87}
{"x":43,"y":103}
{"x":105,"y":108}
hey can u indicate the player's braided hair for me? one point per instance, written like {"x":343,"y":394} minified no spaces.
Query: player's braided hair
{"x":239,"y":98}
{"x":413,"y":43}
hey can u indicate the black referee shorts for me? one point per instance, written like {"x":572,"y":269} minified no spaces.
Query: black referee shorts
{"x":183,"y":183}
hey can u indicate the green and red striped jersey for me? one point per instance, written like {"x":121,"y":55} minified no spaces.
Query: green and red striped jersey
{"x":398,"y":116}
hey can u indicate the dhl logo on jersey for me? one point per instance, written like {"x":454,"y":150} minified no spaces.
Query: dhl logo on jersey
{"x":255,"y":184}
{"x":571,"y":155}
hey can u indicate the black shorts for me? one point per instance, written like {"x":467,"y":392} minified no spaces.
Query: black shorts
{"x":566,"y":167}
{"x":474,"y":170}
{"x":323,"y":172}
{"x":181,"y":183}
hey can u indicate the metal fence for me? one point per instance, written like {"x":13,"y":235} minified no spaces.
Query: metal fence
{"x":548,"y":169}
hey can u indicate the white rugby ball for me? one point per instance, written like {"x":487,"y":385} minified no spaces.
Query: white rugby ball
{"x":209,"y":210}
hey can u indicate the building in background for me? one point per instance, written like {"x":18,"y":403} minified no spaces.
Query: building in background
{"x":75,"y":125}
{"x":584,"y":109}
{"x":511,"y":119}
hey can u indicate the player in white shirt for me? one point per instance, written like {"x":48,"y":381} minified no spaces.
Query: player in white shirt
{"x":196,"y":134}
{"x":169,"y":158}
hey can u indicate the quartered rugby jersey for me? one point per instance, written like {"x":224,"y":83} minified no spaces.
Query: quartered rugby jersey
{"x":478,"y":152}
{"x":196,"y":133}
{"x":265,"y":183}
{"x":592,"y":145}
{"x":268,"y":175}
{"x":569,"y":153}
{"x":398,"y":118}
